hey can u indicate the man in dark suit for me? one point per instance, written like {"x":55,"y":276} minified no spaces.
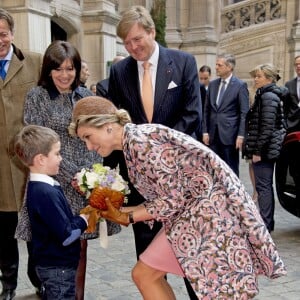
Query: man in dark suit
{"x":204,"y":75}
{"x":102,"y":85}
{"x":84,"y":73}
{"x":175,"y":100}
{"x":225,"y":109}
{"x":291,"y":104}
{"x":291,"y":107}
{"x":204,"y":79}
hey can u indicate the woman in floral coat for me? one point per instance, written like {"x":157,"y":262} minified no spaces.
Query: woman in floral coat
{"x":212,"y":232}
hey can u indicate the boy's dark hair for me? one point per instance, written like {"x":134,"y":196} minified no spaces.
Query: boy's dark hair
{"x":33,"y":140}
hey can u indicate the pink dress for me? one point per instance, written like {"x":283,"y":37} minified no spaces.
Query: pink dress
{"x":211,"y":223}
{"x":160,"y":256}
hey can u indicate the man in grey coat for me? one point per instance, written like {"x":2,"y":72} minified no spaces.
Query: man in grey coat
{"x":18,"y":72}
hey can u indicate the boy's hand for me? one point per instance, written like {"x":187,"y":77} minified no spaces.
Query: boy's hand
{"x":93,"y":217}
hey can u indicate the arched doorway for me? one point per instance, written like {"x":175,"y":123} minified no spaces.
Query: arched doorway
{"x":57,"y":32}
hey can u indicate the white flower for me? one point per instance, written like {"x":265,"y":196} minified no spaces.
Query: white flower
{"x":79,"y":176}
{"x":92,"y":180}
{"x":118,"y":186}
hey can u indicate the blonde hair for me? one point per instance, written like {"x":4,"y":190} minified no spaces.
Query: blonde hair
{"x":95,"y":112}
{"x":269,"y":71}
{"x":135,"y":14}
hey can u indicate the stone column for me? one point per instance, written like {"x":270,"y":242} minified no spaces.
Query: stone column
{"x":173,"y":30}
{"x":99,"y":41}
{"x":193,"y":27}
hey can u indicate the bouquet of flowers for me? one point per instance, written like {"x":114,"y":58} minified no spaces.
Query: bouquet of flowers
{"x":99,"y":183}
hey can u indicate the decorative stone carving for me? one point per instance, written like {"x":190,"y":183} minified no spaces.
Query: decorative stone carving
{"x":243,"y":15}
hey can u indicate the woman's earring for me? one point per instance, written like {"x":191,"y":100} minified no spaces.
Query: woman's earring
{"x":109,"y":130}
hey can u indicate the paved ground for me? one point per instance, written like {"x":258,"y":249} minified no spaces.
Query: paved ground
{"x":108,"y":274}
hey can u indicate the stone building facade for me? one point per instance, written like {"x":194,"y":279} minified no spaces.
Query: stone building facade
{"x":256,"y":31}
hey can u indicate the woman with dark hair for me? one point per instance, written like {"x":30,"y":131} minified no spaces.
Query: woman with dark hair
{"x":50,"y":104}
{"x":60,"y":53}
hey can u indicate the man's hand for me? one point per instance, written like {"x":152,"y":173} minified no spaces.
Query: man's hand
{"x":256,"y":158}
{"x":239,"y":143}
{"x":205,"y":139}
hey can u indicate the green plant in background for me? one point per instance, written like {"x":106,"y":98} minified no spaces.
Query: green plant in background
{"x":158,"y":13}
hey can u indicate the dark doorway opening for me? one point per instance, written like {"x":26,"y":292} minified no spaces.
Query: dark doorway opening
{"x":57,"y":33}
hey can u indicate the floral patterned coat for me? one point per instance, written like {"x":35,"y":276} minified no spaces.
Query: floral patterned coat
{"x":212,"y":223}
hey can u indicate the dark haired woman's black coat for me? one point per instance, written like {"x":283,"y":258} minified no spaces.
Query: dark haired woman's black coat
{"x":264,"y":123}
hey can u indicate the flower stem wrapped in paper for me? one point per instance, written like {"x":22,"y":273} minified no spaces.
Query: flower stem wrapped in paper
{"x":96,"y":184}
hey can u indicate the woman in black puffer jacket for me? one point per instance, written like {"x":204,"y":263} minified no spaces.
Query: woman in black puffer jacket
{"x":264,"y":136}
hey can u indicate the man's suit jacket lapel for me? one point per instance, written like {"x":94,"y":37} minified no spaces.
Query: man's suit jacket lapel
{"x":132,"y":85}
{"x":163,"y":77}
{"x":214,"y":92}
{"x":228,"y":91}
{"x":294,"y":87}
{"x":293,"y":91}
{"x":14,"y":67}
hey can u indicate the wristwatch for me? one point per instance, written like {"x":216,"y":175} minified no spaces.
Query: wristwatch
{"x":130,"y":217}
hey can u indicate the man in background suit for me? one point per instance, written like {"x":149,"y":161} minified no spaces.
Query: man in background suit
{"x":291,"y":104}
{"x":204,"y":77}
{"x":291,"y":108}
{"x":176,"y":100}
{"x":224,"y":117}
{"x":21,"y":72}
{"x":84,"y":73}
{"x":102,"y":85}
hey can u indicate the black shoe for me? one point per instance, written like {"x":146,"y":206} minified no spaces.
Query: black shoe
{"x":8,"y":294}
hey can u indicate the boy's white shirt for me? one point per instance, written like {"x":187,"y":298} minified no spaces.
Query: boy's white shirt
{"x":43,"y":178}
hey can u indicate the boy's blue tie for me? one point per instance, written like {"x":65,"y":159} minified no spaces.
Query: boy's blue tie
{"x":2,"y":68}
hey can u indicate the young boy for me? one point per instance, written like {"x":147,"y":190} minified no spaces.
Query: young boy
{"x":55,"y":231}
